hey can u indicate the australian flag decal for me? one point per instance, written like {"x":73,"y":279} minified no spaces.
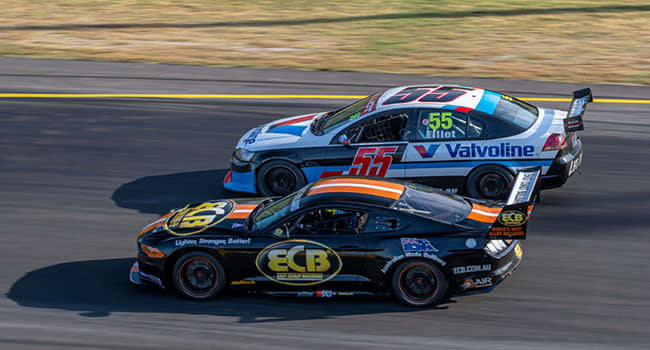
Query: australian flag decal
{"x":417,"y":245}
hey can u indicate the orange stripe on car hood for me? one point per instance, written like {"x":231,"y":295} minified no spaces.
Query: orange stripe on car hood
{"x":241,"y":211}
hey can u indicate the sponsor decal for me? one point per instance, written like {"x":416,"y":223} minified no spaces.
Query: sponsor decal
{"x":242,"y":282}
{"x":450,"y":190}
{"x":237,"y":225}
{"x":438,"y":126}
{"x":417,"y":245}
{"x":298,"y":262}
{"x":507,"y":232}
{"x":575,"y":164}
{"x":371,"y":105}
{"x":211,"y":241}
{"x":372,"y":161}
{"x":511,"y":223}
{"x":428,"y":94}
{"x":254,"y":134}
{"x":512,"y":218}
{"x":191,"y":220}
{"x":502,"y":150}
{"x":368,"y":161}
{"x":425,"y":255}
{"x":476,"y":283}
{"x":458,"y":270}
{"x":428,"y":152}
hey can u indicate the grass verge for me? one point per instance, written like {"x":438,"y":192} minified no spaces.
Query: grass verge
{"x":585,"y":41}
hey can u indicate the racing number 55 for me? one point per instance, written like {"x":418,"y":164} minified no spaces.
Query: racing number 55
{"x":372,"y":161}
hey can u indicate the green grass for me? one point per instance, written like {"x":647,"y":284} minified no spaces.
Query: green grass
{"x":586,"y":41}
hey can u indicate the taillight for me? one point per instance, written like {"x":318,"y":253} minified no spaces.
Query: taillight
{"x":555,"y":142}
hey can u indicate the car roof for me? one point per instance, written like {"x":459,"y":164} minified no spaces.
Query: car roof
{"x":453,"y":97}
{"x":353,"y":189}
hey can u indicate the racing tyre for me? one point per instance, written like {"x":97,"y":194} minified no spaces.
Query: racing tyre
{"x":419,"y":283}
{"x":198,"y":275}
{"x":279,"y":178}
{"x":489,"y":182}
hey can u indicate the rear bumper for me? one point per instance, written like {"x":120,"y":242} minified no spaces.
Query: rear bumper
{"x":502,"y":266}
{"x":563,"y":167}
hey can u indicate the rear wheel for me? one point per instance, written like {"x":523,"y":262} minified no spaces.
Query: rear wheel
{"x":279,"y":178}
{"x":198,"y":275}
{"x":489,"y":182}
{"x":419,"y":283}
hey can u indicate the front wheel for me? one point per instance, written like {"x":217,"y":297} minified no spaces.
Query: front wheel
{"x":279,"y":178}
{"x":419,"y":283}
{"x":198,"y":275}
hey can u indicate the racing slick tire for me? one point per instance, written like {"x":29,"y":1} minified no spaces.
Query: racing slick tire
{"x":279,"y":178}
{"x":419,"y":283}
{"x":198,"y":275}
{"x":489,"y":182}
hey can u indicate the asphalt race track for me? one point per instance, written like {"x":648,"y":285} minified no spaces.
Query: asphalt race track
{"x":79,"y":177}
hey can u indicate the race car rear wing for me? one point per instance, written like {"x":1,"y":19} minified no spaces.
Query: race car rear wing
{"x":573,"y":120}
{"x":513,"y":219}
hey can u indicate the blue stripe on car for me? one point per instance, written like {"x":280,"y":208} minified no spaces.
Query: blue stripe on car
{"x":474,"y":163}
{"x":287,"y":129}
{"x":488,"y":102}
{"x":314,"y":173}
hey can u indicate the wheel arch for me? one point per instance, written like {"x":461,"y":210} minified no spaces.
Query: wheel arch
{"x":512,"y":172}
{"x":388,"y":276}
{"x":294,"y":162}
{"x":173,"y":257}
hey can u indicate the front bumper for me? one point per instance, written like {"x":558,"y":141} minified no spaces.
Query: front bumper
{"x":563,"y":167}
{"x":502,"y":265}
{"x":240,"y":182}
{"x":142,"y":278}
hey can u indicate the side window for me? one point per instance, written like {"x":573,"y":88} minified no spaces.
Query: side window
{"x":323,"y":221}
{"x":494,"y":127}
{"x":387,"y":128}
{"x":437,"y":124}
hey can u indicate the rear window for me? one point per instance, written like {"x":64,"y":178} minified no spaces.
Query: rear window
{"x":432,"y":204}
{"x":516,"y":112}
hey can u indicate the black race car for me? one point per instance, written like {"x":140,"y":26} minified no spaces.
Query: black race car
{"x":341,"y":236}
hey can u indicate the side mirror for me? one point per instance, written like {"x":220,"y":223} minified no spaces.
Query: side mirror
{"x":343,"y":139}
{"x":240,"y":229}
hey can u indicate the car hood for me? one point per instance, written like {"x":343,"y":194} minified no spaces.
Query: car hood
{"x":225,"y":214}
{"x":283,"y":133}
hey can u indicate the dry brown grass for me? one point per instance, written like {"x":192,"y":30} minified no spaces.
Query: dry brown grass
{"x":511,"y":40}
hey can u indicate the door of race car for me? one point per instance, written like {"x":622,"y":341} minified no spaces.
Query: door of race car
{"x":374,"y":146}
{"x":435,"y":146}
{"x":319,"y":247}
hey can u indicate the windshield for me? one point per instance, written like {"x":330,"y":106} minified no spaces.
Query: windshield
{"x":516,"y":112}
{"x":272,"y":213}
{"x":334,"y":120}
{"x":433,"y":204}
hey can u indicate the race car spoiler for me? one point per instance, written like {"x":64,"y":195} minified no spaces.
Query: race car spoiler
{"x":513,"y":219}
{"x":573,"y":120}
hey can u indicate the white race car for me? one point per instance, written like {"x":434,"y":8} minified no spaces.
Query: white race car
{"x":459,"y":138}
